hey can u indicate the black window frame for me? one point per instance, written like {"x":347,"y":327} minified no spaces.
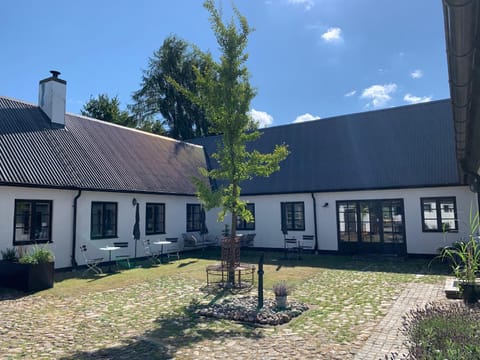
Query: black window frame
{"x":242,"y":224}
{"x":192,"y":223}
{"x":103,"y":221}
{"x":158,"y":224}
{"x":287,"y":207}
{"x":33,"y":223}
{"x":438,"y":208}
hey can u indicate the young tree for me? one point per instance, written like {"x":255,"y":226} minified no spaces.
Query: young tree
{"x":157,"y":96}
{"x":224,"y":93}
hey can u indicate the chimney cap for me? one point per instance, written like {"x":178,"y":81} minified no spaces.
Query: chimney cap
{"x":54,"y":77}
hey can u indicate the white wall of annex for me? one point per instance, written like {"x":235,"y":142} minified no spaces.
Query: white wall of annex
{"x":175,"y":220}
{"x":267,"y":219}
{"x":418,"y":242}
{"x":62,"y":219}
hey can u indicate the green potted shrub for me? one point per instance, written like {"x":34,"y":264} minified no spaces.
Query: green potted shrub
{"x":40,"y":269}
{"x":464,"y":259}
{"x":281,"y":290}
{"x":27,"y":271}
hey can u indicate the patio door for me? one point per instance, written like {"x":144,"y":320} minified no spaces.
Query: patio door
{"x":371,"y":226}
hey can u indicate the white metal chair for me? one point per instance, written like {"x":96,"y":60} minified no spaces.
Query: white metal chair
{"x":91,"y":263}
{"x":307,"y":243}
{"x":291,"y":245}
{"x":173,"y":249}
{"x":152,"y":255}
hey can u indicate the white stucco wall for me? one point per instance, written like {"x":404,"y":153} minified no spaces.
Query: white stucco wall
{"x":62,"y":220}
{"x":175,"y":220}
{"x":62,"y":215}
{"x":268,"y":218}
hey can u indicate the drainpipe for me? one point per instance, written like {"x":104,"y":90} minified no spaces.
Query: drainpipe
{"x":315,"y":222}
{"x":74,"y":229}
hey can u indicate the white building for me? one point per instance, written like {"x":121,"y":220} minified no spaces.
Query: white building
{"x":379,"y":182}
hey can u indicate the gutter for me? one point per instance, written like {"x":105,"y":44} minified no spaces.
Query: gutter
{"x":460,"y":17}
{"x":315,"y":222}
{"x":74,"y":229}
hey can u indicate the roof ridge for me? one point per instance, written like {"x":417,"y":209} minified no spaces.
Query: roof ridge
{"x":131,"y":129}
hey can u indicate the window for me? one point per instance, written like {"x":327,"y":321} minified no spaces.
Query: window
{"x":104,"y":220}
{"x":242,"y":224}
{"x":33,"y":222}
{"x":194,"y":217}
{"x":155,"y":219}
{"x":439,"y":214}
{"x":293,"y":216}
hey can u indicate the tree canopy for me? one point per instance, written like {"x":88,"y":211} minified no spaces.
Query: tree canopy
{"x":107,"y":109}
{"x":182,"y":118}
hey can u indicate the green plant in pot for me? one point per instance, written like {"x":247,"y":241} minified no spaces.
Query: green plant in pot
{"x":464,"y":259}
{"x":9,"y":254}
{"x":38,"y":255}
{"x":281,"y":290}
{"x":27,"y":271}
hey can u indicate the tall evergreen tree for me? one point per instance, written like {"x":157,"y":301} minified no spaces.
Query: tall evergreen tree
{"x":157,"y":97}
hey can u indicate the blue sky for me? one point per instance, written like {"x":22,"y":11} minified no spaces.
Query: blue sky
{"x":308,"y":58}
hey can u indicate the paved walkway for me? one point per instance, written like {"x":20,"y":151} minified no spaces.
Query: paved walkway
{"x":134,"y":323}
{"x":387,"y":337}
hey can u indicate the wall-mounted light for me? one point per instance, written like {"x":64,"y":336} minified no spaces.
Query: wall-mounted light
{"x":134,"y":202}
{"x":325,"y":205}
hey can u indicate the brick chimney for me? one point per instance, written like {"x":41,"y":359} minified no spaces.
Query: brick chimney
{"x":51,"y":97}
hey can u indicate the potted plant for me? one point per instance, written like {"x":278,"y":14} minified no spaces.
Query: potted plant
{"x":31,"y":271}
{"x":40,"y":273}
{"x":281,"y":291}
{"x":464,"y":259}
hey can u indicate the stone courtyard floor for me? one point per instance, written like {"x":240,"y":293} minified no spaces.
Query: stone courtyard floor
{"x":147,"y":320}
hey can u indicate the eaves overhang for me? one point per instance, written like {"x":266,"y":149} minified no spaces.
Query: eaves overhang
{"x":463,"y":56}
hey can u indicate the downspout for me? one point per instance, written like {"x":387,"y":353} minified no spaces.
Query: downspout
{"x":74,"y":230}
{"x":315,"y":222}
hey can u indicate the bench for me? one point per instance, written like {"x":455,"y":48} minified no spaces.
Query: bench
{"x":218,"y":274}
{"x":197,"y":241}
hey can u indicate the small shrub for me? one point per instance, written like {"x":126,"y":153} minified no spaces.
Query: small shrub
{"x":38,"y":255}
{"x":10,"y":254}
{"x":282,"y":289}
{"x":449,"y":331}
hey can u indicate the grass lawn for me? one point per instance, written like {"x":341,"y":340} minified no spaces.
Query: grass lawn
{"x":141,"y":313}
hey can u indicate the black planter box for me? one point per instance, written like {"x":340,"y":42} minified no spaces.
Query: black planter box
{"x":26,"y":277}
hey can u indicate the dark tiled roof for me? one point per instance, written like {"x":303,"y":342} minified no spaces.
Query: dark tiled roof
{"x":409,"y":146}
{"x":90,"y":154}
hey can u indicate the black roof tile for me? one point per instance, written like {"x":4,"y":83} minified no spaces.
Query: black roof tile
{"x":408,"y":146}
{"x":91,"y":154}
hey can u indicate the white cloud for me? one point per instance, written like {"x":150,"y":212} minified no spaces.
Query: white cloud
{"x":379,"y":94}
{"x":305,"y":117}
{"x":416,"y":74}
{"x":351,"y":93}
{"x":262,"y":118}
{"x":412,"y":99}
{"x":333,"y":34}
{"x":308,"y":4}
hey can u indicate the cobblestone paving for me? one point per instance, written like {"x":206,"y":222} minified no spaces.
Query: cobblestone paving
{"x":387,"y":337}
{"x":143,"y":322}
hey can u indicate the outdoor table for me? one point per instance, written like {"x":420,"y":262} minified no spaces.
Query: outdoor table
{"x":162,"y":242}
{"x":109,"y":249}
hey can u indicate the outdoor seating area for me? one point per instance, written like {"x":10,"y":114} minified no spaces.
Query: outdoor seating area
{"x":87,"y":316}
